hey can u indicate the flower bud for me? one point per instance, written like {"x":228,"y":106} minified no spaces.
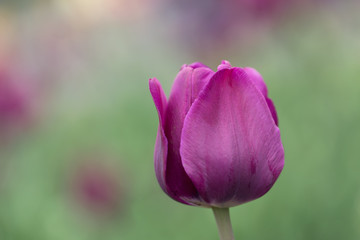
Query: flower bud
{"x":218,"y":143}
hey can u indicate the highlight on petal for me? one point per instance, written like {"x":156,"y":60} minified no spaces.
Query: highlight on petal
{"x":230,"y":146}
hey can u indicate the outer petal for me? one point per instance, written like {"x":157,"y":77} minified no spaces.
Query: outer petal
{"x":188,"y":83}
{"x":257,"y":79}
{"x":231,"y":148}
{"x":161,"y":144}
{"x":260,"y":84}
{"x":200,"y":78}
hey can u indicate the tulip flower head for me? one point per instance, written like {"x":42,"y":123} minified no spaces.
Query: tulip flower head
{"x":218,"y":143}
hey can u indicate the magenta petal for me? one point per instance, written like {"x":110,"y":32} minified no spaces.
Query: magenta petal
{"x":260,"y":84}
{"x":187,"y":85}
{"x":161,"y":144}
{"x":230,"y":146}
{"x":159,"y":98}
{"x":200,"y":78}
{"x":257,"y":79}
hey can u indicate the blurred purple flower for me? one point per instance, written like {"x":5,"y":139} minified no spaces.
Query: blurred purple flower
{"x":218,"y":143}
{"x":97,"y":187}
{"x":12,"y":101}
{"x":14,"y":105}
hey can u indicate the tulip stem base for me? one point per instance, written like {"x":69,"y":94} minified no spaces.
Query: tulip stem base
{"x":222,"y":217}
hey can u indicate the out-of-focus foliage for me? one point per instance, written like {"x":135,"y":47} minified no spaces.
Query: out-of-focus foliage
{"x":86,"y":144}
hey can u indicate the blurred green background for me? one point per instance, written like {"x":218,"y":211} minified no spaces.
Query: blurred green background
{"x":78,"y":125}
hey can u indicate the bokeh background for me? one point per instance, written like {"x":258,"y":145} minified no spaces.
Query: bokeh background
{"x":78,"y":125}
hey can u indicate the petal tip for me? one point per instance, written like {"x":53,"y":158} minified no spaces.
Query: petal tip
{"x":224,"y":65}
{"x":153,"y":81}
{"x":194,"y":65}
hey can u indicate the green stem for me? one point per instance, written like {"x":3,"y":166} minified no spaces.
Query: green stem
{"x":222,"y":217}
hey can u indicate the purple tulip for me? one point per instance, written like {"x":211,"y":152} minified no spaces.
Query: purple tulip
{"x":218,"y":143}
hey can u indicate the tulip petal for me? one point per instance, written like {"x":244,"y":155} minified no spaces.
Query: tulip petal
{"x":200,"y":78}
{"x":257,"y":79}
{"x":230,"y":147}
{"x":188,"y":83}
{"x":161,"y":144}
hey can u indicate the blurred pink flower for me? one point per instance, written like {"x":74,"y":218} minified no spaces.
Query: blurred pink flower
{"x":15,"y":105}
{"x":97,"y":188}
{"x":13,"y":100}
